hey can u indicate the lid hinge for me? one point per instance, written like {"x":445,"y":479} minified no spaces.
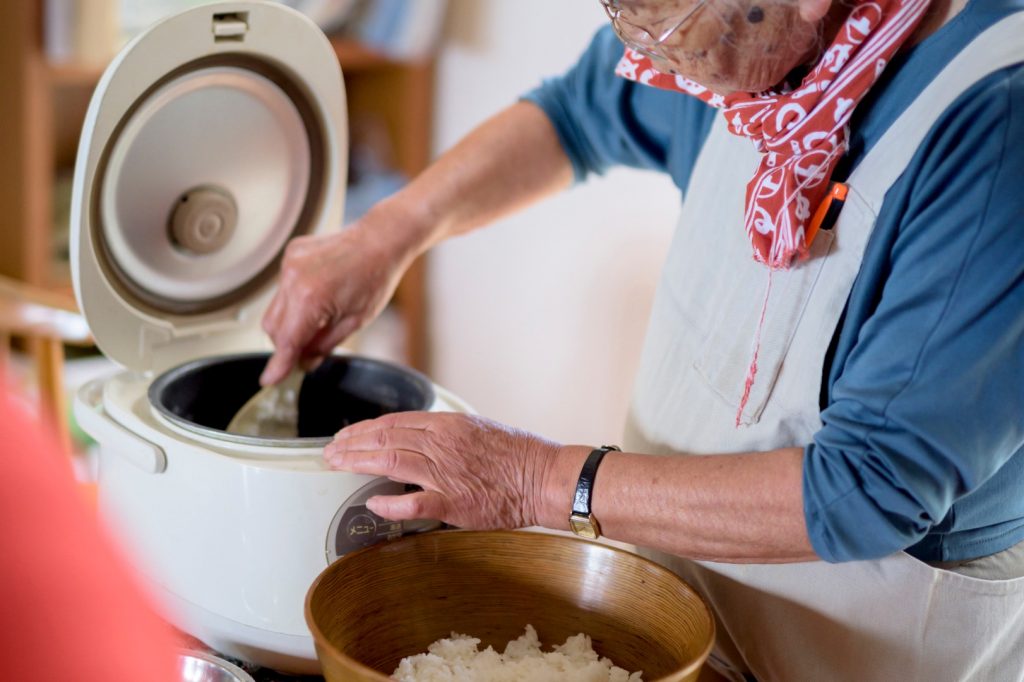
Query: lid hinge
{"x":230,"y":26}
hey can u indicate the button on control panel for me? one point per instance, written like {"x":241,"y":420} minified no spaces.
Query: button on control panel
{"x":354,"y":526}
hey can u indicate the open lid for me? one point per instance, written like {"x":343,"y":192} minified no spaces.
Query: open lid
{"x":211,"y":140}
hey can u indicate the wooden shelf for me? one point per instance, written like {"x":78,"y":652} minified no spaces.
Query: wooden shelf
{"x":74,"y":75}
{"x":353,"y":56}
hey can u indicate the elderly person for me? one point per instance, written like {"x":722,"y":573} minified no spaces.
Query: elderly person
{"x":827,"y":432}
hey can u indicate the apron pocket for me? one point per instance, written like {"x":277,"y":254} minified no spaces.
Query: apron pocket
{"x":728,"y":350}
{"x":972,"y":628}
{"x":996,"y":587}
{"x":826,"y":276}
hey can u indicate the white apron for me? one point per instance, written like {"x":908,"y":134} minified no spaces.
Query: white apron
{"x":891,"y":619}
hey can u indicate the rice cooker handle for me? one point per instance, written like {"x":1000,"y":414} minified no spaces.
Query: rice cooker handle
{"x":88,"y":409}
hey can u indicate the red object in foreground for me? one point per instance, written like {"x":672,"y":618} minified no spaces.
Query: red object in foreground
{"x":70,"y":609}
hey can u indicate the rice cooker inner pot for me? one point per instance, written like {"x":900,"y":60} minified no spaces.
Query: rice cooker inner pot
{"x":202,"y":396}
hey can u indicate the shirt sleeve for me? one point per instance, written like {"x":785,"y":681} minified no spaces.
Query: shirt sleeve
{"x":929,"y":403}
{"x":604,"y":120}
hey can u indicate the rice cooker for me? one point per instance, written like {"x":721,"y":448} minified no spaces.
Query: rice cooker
{"x":211,"y":140}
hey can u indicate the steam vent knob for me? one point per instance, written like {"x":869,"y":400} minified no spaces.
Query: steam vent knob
{"x":203,"y":220}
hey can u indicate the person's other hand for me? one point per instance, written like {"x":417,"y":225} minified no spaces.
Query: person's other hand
{"x":331,"y":286}
{"x":475,"y":473}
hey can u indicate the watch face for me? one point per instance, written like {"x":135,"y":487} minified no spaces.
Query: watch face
{"x":583,"y":527}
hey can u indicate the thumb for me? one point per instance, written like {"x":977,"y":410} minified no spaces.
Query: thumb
{"x":425,"y":504}
{"x":279,"y":365}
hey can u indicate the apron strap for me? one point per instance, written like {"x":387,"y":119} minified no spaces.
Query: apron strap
{"x":996,"y":48}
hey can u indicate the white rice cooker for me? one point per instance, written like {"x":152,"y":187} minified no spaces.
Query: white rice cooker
{"x":211,"y":140}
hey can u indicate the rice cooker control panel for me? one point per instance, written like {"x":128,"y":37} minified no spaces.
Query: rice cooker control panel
{"x":354,"y":526}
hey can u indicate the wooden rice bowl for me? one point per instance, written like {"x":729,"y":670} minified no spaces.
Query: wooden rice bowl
{"x":373,"y":607}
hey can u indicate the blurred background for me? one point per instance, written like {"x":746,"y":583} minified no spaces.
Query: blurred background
{"x":537,"y":321}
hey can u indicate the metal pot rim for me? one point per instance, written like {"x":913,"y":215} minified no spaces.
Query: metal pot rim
{"x":171,"y":375}
{"x":217,"y":662}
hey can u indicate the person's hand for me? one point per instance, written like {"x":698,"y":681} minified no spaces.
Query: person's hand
{"x":475,"y":473}
{"x":331,"y":286}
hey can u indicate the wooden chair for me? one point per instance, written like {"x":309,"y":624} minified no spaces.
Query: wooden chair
{"x":46,"y":320}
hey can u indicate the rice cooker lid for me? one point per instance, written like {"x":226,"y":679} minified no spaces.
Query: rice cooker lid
{"x":211,"y":140}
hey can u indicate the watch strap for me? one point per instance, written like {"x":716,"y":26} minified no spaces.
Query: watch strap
{"x":585,"y":485}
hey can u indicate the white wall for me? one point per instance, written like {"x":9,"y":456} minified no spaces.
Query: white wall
{"x":538,"y":320}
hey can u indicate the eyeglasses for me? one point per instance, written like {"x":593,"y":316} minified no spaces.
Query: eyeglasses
{"x":639,"y":38}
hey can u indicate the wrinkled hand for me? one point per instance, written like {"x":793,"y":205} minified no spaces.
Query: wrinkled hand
{"x":331,"y":286}
{"x":475,"y":473}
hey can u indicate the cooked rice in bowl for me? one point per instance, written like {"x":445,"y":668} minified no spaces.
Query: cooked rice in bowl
{"x":458,"y":659}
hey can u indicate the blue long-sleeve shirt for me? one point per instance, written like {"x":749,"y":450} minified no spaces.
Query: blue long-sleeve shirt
{"x":922,"y":443}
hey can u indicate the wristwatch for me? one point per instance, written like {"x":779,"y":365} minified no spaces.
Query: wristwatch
{"x":582,"y":521}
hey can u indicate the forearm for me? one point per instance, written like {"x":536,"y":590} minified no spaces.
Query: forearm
{"x":743,"y":508}
{"x":510,"y":161}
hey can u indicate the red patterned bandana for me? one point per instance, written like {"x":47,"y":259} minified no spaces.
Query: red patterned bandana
{"x":803,"y":132}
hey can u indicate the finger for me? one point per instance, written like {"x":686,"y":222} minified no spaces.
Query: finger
{"x":396,"y":438}
{"x":330,"y":337}
{"x":290,"y":337}
{"x":325,"y":341}
{"x":309,"y":363}
{"x":279,"y":365}
{"x":423,"y":421}
{"x":426,"y":504}
{"x":406,"y":466}
{"x":311,"y":357}
{"x":272,"y":317}
{"x":283,"y":358}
